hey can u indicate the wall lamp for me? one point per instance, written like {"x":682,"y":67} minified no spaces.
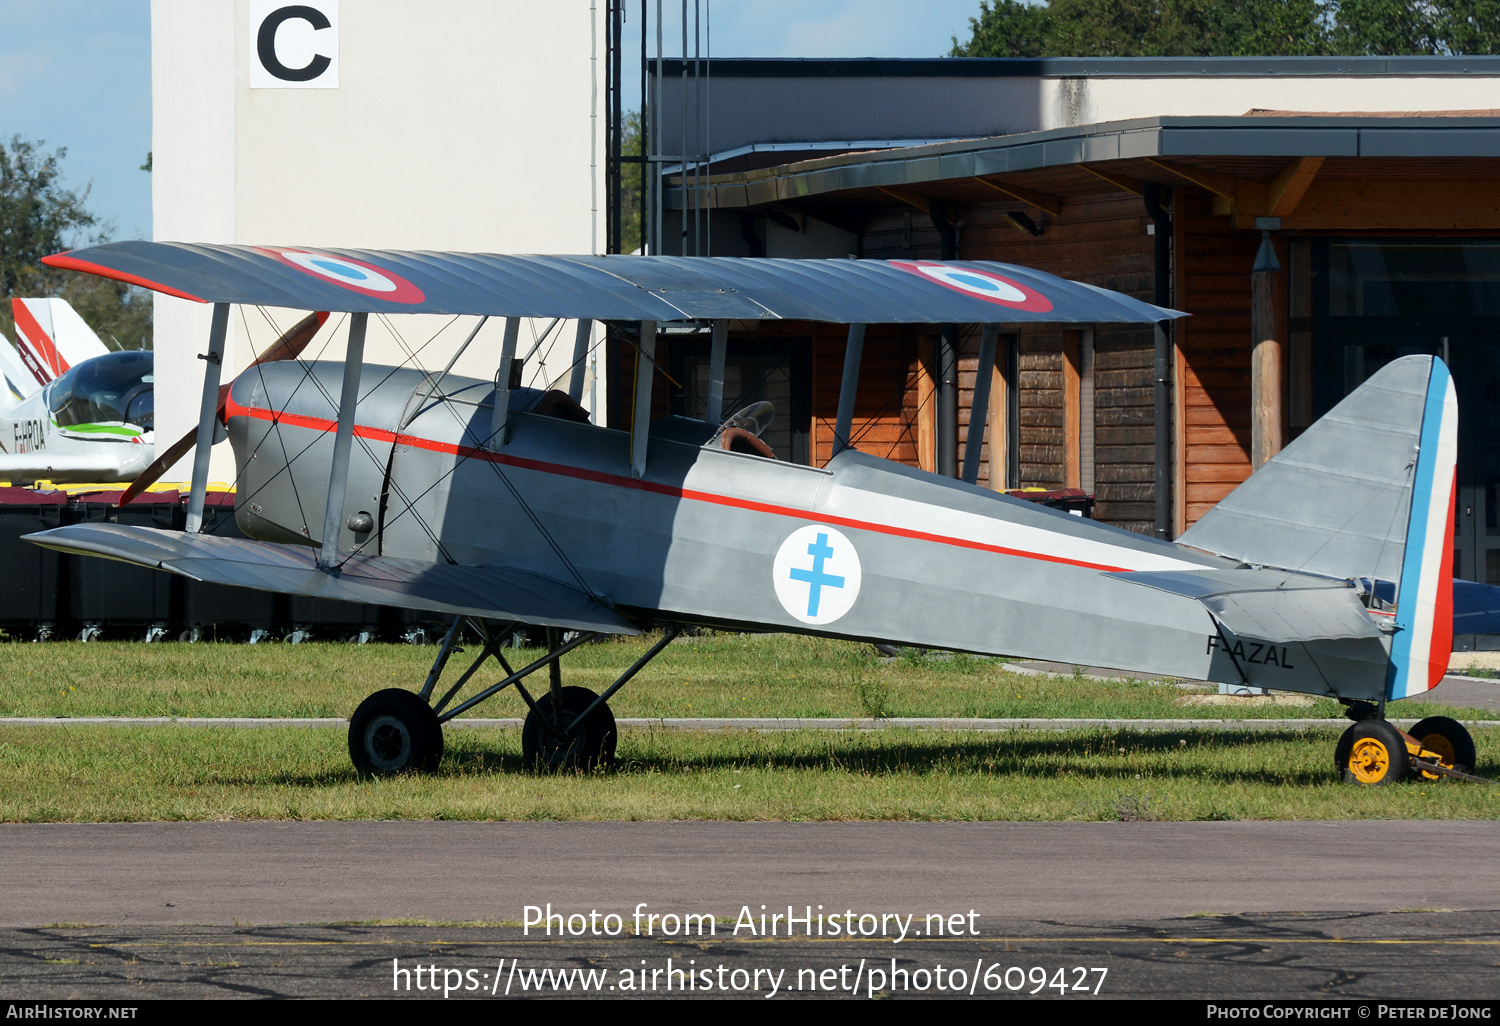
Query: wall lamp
{"x":1022,"y":223}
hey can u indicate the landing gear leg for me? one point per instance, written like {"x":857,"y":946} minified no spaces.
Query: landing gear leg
{"x":572,"y":728}
{"x":1374,"y":752}
{"x":566,"y":728}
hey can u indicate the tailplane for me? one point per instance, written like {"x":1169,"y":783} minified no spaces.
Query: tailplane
{"x":1365,"y":493}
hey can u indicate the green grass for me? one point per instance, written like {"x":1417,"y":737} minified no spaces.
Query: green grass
{"x":707,"y":675}
{"x":134,"y":774}
{"x":128,"y":774}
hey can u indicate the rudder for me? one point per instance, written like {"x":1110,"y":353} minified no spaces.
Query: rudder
{"x":1424,"y":600}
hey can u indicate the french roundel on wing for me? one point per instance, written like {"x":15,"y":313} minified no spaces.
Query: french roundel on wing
{"x":985,"y":285}
{"x":346,"y":272}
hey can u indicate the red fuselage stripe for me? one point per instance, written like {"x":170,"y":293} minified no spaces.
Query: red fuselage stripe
{"x":562,"y":470}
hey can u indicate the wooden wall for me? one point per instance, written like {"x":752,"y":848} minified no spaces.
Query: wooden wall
{"x":1101,"y":239}
{"x":1213,"y":355}
{"x":886,"y":406}
{"x":1125,"y":427}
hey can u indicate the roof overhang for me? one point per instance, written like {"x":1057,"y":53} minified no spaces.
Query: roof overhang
{"x":1162,"y":138}
{"x":1238,"y":159}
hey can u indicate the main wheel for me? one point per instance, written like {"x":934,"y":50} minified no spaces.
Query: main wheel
{"x":1449,"y":739}
{"x":1376,"y":754}
{"x":394,"y":730}
{"x":545,"y":747}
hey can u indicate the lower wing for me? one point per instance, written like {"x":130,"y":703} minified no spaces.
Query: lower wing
{"x":492,"y":592}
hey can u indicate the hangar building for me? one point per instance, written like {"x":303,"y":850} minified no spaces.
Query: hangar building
{"x":1374,"y":180}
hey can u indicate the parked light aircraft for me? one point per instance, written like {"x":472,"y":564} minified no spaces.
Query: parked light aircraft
{"x":499,"y":505}
{"x":75,"y":411}
{"x":71,"y":409}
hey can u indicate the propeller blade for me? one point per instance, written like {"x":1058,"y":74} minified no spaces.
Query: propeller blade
{"x":158,"y":467}
{"x":288,"y":347}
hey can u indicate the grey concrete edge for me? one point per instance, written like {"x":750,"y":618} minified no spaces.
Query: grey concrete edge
{"x":737,"y":723}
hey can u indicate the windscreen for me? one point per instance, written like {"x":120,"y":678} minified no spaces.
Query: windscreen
{"x":112,"y":389}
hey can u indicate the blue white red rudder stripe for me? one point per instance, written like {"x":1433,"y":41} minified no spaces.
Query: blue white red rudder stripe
{"x":1423,"y":642}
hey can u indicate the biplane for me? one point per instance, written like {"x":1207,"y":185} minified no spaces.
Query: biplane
{"x":500,"y":505}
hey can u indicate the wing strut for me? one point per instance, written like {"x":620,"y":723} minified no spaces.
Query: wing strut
{"x":640,"y":415}
{"x":980,"y":407}
{"x":580,"y":359}
{"x":715,"y":414}
{"x":207,"y":416}
{"x":500,"y":415}
{"x":843,"y":428}
{"x":343,"y":439}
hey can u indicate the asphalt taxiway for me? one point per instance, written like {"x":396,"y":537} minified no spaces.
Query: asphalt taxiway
{"x":227,"y":873}
{"x":1402,"y":956}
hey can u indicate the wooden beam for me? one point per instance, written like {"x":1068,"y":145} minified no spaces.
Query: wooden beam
{"x":1041,"y":200}
{"x":1213,"y":181}
{"x":1345,"y":204}
{"x":1072,"y":363}
{"x":926,"y":406}
{"x":922,"y":203}
{"x":998,"y":423}
{"x":1265,"y":371}
{"x":1118,"y":181}
{"x":1239,"y":197}
{"x":1179,"y":330}
{"x":1292,"y":184}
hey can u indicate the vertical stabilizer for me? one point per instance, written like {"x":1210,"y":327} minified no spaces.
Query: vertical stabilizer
{"x":1366,"y":493}
{"x":19,"y":383}
{"x":1424,"y":602}
{"x":52,"y":338}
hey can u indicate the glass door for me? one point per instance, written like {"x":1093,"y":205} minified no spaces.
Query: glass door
{"x":1475,"y":361}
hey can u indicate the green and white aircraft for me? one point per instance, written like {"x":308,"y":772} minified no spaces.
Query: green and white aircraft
{"x":71,"y":409}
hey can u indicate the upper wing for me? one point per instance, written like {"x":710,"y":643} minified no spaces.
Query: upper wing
{"x":494,"y":592}
{"x":625,"y":288}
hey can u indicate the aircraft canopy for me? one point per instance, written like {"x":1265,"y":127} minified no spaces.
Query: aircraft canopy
{"x":626,"y":288}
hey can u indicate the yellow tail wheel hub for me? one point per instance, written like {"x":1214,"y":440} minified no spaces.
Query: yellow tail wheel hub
{"x":1369,"y":761}
{"x":1441,"y":747}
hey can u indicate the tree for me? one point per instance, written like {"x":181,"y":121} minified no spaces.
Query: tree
{"x":630,"y":183}
{"x":38,"y":216}
{"x":1231,"y":28}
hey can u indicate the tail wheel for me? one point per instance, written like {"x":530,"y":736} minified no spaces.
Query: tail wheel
{"x":392,"y":731}
{"x":1449,"y":740}
{"x":544,"y":746}
{"x":1376,"y":754}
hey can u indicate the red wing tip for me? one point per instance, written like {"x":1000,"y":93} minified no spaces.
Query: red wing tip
{"x":67,"y":262}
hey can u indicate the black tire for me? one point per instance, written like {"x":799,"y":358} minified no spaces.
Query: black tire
{"x":1342,"y":749}
{"x":1448,"y":738}
{"x":591,"y":745}
{"x":1377,"y":754}
{"x":393,"y":731}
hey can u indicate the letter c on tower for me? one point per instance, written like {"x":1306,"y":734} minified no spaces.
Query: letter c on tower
{"x":265,"y":43}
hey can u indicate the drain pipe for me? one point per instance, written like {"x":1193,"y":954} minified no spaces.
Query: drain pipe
{"x":1162,"y":363}
{"x":947,"y":357}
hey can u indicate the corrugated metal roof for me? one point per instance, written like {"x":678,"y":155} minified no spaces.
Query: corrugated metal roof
{"x":626,"y":288}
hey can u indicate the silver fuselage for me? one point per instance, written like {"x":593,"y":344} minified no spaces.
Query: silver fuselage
{"x":697,"y":538}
